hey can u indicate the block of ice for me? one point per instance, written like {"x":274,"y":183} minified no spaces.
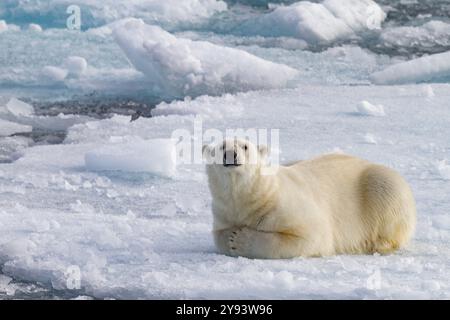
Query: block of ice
{"x":430,"y":35}
{"x":179,"y":67}
{"x":3,"y":26}
{"x":435,"y":67}
{"x":443,"y":169}
{"x":75,"y":65}
{"x":10,"y":146}
{"x":94,"y":12}
{"x":19,"y":108}
{"x":368,"y":109}
{"x":53,"y":73}
{"x":318,"y":22}
{"x":8,"y":128}
{"x":34,"y":27}
{"x":130,"y":154}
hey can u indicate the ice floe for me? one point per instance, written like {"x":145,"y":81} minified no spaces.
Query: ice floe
{"x":178,"y":67}
{"x":168,"y":12}
{"x":434,"y":67}
{"x":133,"y":154}
{"x":318,"y":22}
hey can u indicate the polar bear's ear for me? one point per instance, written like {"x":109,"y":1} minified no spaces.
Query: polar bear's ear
{"x":263,"y":151}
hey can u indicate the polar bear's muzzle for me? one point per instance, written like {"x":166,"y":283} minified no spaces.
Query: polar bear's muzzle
{"x":230,"y":159}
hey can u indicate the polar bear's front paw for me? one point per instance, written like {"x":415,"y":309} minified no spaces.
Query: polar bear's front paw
{"x":239,"y":242}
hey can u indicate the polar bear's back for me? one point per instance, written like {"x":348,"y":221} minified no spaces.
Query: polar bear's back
{"x":370,"y":207}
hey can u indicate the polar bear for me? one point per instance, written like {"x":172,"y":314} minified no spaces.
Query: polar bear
{"x":333,"y":204}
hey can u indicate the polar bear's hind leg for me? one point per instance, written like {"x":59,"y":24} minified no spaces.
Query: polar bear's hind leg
{"x":388,"y":209}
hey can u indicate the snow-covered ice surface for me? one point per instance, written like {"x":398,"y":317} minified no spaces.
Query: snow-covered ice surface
{"x":139,"y":236}
{"x":92,"y":205}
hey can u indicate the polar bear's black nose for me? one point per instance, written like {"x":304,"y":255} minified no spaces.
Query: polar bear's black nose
{"x":230,"y":158}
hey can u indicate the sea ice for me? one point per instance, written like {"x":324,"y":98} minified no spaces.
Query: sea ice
{"x":435,"y":67}
{"x":22,"y":115}
{"x":19,"y":108}
{"x":444,"y":169}
{"x":3,"y":26}
{"x":75,"y":65}
{"x":179,"y":67}
{"x":318,"y":22}
{"x":34,"y":27}
{"x":8,"y":27}
{"x":368,"y":109}
{"x":138,"y":235}
{"x":94,"y":12}
{"x":155,"y":156}
{"x":53,"y":73}
{"x":8,"y":128}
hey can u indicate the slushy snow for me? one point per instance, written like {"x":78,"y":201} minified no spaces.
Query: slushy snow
{"x":131,"y":154}
{"x":319,"y":22}
{"x":179,"y":67}
{"x":434,"y":67}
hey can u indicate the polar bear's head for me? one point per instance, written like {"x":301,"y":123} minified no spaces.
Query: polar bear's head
{"x":235,"y":156}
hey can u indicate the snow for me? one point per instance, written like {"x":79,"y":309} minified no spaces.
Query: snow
{"x":138,"y":235}
{"x":10,"y":147}
{"x":318,"y":22}
{"x":367,"y":109}
{"x":130,"y":154}
{"x":53,"y":73}
{"x":179,"y":67}
{"x":3,"y":26}
{"x":8,"y":128}
{"x":76,"y":66}
{"x":434,"y":67}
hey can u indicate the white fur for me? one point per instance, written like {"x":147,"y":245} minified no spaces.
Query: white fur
{"x":332,"y":204}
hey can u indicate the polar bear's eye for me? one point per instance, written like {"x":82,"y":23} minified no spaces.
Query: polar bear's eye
{"x":245,"y":147}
